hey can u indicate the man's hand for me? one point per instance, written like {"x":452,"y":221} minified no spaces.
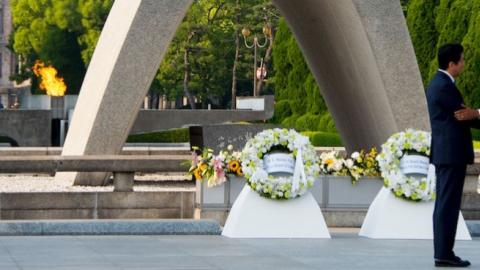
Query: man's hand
{"x":466,"y":114}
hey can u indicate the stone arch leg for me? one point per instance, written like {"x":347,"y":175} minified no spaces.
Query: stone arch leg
{"x":361,"y":55}
{"x":132,"y":44}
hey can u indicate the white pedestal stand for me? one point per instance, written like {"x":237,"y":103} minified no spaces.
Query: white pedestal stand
{"x":392,"y":218}
{"x":253,"y":216}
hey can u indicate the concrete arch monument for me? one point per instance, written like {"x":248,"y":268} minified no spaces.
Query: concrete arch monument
{"x":359,"y":51}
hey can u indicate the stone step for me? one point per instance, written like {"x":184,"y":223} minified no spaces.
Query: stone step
{"x":97,"y":205}
{"x":42,"y":151}
{"x":161,"y":183}
{"x":109,"y":227}
{"x":133,"y":227}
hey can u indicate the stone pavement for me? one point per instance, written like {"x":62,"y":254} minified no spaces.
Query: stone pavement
{"x":344,"y":251}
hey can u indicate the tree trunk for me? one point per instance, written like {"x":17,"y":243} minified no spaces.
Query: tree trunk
{"x":266,"y":59}
{"x":186,"y":78}
{"x":237,"y":52}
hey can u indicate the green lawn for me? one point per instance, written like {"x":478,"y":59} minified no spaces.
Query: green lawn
{"x":476,"y":144}
{"x":169,"y":136}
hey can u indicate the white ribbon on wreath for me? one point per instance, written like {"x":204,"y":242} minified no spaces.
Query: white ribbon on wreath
{"x":299,"y":172}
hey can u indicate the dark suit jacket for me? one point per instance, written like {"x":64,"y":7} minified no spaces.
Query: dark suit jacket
{"x":451,"y":139}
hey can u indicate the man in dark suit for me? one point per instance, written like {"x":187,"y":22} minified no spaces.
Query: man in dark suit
{"x":451,"y":151}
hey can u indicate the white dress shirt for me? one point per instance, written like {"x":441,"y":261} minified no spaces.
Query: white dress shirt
{"x":448,"y":74}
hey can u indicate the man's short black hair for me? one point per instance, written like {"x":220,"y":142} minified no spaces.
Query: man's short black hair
{"x":449,"y":53}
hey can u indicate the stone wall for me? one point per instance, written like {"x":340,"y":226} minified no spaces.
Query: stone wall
{"x":27,"y":127}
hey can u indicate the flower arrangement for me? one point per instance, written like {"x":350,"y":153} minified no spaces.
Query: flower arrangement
{"x":363,"y":164}
{"x":332,"y":163}
{"x":299,"y":154}
{"x":214,"y":169}
{"x":359,"y":164}
{"x":400,"y":144}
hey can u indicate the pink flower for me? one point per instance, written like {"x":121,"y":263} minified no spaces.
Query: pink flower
{"x":194,"y":158}
{"x":218,"y":164}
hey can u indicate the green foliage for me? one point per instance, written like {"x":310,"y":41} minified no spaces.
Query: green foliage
{"x":208,"y":34}
{"x":64,"y":33}
{"x":421,"y":22}
{"x":324,"y":139}
{"x":295,"y":84}
{"x":60,"y":33}
{"x":282,"y":111}
{"x":452,"y":21}
{"x":452,"y":25}
{"x":469,"y":82}
{"x":307,"y":122}
{"x":326,"y":123}
{"x":476,"y":134}
{"x":476,"y":145}
{"x":170,"y":136}
{"x":290,"y":121}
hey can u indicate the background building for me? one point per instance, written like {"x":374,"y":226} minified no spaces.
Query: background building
{"x":8,"y":61}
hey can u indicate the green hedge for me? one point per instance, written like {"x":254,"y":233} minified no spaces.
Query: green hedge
{"x":290,"y":121}
{"x":318,"y":138}
{"x":307,"y":122}
{"x":170,"y":136}
{"x":282,"y":111}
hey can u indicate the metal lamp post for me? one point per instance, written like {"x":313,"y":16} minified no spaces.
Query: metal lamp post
{"x":267,"y":31}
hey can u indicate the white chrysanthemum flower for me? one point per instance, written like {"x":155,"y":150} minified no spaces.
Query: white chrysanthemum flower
{"x":389,"y":163}
{"x":253,"y":166}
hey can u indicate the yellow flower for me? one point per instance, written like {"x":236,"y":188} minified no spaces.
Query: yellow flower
{"x":203,"y":167}
{"x":197,"y":173}
{"x":239,"y":171}
{"x":329,"y":161}
{"x":233,"y":165}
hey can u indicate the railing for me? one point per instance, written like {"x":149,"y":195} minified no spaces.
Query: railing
{"x":123,"y":167}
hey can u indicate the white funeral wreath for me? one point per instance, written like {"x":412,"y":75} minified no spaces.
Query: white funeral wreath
{"x":280,"y":164}
{"x":396,"y":152}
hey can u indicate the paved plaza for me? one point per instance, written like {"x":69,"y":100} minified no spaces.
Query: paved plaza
{"x":343,"y":251}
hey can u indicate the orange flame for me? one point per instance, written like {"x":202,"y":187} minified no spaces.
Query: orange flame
{"x":53,"y":85}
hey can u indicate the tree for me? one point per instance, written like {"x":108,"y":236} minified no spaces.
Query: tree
{"x":236,"y":33}
{"x":468,"y":82}
{"x":298,"y":100}
{"x":208,"y":51}
{"x":421,"y":22}
{"x":453,"y":18}
{"x":61,"y":33}
{"x":198,"y":64}
{"x":455,"y":21}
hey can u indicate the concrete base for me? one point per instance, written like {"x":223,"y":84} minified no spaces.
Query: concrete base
{"x":474,"y":227}
{"x":109,"y":227}
{"x":253,"y":216}
{"x":392,"y":218}
{"x":96,"y":205}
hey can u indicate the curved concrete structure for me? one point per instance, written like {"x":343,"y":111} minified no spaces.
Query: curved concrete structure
{"x":134,"y":39}
{"x":362,"y":58}
{"x":359,"y":51}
